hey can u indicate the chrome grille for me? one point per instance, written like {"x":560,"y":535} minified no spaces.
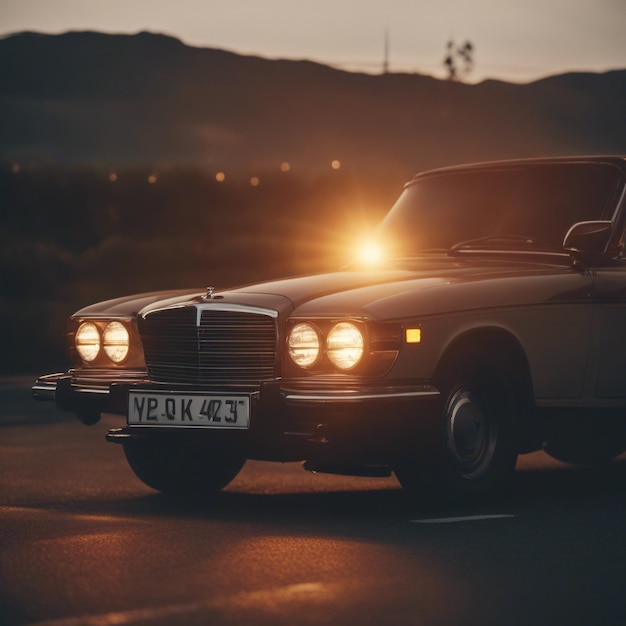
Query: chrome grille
{"x":227,"y":347}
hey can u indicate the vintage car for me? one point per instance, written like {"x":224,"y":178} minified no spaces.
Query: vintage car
{"x":490,"y":323}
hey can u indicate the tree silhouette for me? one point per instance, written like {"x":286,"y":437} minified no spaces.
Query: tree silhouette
{"x":464,"y":55}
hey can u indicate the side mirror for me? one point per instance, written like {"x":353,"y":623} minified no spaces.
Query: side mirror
{"x":589,"y":236}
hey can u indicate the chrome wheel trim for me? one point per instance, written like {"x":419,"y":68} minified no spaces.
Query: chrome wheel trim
{"x":471,"y":434}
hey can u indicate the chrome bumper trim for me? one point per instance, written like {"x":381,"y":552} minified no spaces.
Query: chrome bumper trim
{"x":348,"y":396}
{"x":95,"y":385}
{"x":89,"y":390}
{"x":45,"y":387}
{"x":47,"y":390}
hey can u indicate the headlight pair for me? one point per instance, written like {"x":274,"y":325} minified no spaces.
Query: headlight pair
{"x":343,"y":344}
{"x":113,"y":339}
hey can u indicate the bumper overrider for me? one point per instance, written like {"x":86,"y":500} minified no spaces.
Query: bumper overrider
{"x":324,"y":423}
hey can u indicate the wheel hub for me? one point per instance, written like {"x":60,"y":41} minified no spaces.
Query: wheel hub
{"x":471,"y":435}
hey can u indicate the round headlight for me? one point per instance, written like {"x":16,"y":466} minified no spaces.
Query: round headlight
{"x":345,"y":345}
{"x":87,"y":341}
{"x":303,"y":345}
{"x":116,"y":341}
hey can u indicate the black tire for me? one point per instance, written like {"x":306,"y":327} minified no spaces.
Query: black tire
{"x":476,"y":448}
{"x":588,"y":440}
{"x":183,"y":471}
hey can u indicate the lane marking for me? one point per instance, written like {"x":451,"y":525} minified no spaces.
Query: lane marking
{"x":464,"y":518}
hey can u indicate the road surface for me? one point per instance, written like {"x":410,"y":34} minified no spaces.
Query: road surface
{"x":83,"y":542}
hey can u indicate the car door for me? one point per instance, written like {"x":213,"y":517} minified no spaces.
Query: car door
{"x":610,"y":331}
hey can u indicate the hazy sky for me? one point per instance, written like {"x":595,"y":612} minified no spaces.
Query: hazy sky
{"x":515,"y":40}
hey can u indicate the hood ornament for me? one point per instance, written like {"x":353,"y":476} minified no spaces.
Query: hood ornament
{"x":209,"y":293}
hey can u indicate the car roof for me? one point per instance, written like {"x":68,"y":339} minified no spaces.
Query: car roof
{"x":616,"y":160}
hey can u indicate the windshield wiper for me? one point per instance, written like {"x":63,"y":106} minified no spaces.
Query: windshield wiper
{"x":504,"y":243}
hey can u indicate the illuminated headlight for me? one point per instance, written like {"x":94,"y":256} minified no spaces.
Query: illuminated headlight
{"x":116,"y":341}
{"x":87,"y":342}
{"x":303,"y":345}
{"x":345,"y":345}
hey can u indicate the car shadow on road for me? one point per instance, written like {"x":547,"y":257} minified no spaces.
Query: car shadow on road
{"x":534,"y":491}
{"x":571,"y":484}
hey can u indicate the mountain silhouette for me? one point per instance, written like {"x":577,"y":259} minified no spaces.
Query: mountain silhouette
{"x":77,"y":107}
{"x":121,"y":100}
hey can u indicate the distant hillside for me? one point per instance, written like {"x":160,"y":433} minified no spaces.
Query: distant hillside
{"x":68,"y":236}
{"x":118,"y":100}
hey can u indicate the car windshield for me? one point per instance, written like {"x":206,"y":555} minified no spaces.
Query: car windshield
{"x":539,"y":202}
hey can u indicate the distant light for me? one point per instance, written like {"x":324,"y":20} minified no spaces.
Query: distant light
{"x":254,"y":181}
{"x":152,"y":179}
{"x":336,"y":164}
{"x":220,"y":177}
{"x":113,"y":177}
{"x":16,"y":168}
{"x":413,"y":335}
{"x":285,"y":167}
{"x":369,"y":253}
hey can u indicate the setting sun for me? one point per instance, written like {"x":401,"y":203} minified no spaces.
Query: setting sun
{"x":369,"y":253}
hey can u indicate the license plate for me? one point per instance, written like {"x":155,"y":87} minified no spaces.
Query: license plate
{"x":173,"y":409}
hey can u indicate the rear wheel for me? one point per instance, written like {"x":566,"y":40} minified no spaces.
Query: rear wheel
{"x":592,"y":439}
{"x":476,"y":448}
{"x":179,"y":470}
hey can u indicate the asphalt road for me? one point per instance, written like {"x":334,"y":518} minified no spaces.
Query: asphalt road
{"x":82,"y":541}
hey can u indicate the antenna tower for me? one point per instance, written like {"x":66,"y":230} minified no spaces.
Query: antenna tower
{"x":386,"y":53}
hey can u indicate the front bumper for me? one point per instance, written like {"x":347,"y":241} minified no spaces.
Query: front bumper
{"x":88,"y":397}
{"x":327,"y":421}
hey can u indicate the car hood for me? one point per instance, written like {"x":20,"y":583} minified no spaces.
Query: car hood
{"x":431,"y":285}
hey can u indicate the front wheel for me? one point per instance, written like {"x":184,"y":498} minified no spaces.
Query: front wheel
{"x":178,"y":470}
{"x":476,"y":447}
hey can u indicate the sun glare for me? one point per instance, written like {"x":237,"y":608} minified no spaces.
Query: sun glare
{"x":369,"y":253}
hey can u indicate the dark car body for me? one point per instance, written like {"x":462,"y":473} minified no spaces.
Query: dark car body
{"x":493,"y":325}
